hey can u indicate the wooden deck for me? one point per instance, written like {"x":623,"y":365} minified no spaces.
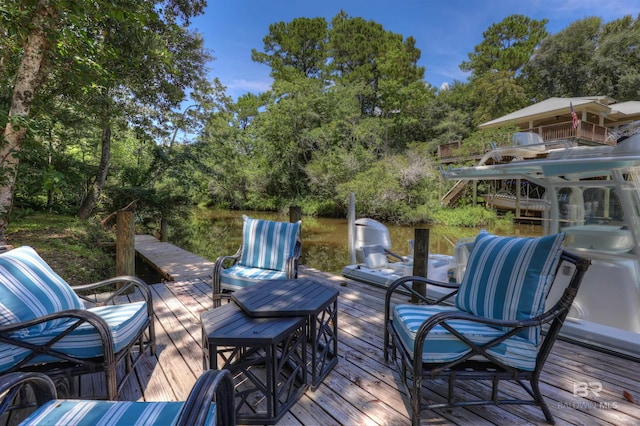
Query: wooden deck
{"x":362,"y":389}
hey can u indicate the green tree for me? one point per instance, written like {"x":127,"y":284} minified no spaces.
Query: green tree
{"x":376,"y":61}
{"x":296,"y":47}
{"x":148,"y":66}
{"x":617,"y":59}
{"x":562,"y":66}
{"x":76,"y":41}
{"x":97,"y":57}
{"x":507,"y":45}
{"x":33,"y":31}
{"x":497,"y":93}
{"x":496,"y":86}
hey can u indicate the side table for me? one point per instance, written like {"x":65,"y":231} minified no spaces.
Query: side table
{"x":294,"y":297}
{"x":267,"y":357}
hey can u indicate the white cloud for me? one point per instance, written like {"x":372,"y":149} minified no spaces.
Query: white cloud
{"x":244,"y":85}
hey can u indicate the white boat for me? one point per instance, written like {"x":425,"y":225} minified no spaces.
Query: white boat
{"x":593,"y":194}
{"x":509,"y":202}
{"x":378,"y":265}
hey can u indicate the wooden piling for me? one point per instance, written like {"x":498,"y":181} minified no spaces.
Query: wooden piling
{"x":420,"y":259}
{"x":125,"y":243}
{"x":164,"y":230}
{"x":295,"y":214}
{"x":351,"y":219}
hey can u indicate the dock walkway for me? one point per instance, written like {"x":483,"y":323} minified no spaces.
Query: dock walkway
{"x":170,"y":261}
{"x":363,"y":389}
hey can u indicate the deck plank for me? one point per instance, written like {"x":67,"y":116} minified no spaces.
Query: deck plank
{"x":363,"y":389}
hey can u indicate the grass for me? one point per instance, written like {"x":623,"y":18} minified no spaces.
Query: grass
{"x":80,"y":251}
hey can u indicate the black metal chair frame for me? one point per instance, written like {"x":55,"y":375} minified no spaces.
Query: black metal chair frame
{"x":477,"y":364}
{"x":212,"y":386}
{"x":66,"y":366}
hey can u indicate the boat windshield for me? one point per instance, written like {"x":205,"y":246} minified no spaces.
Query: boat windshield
{"x":601,"y":213}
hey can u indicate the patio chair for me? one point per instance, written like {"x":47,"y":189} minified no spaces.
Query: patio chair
{"x":31,"y":399}
{"x":493,"y":328}
{"x":269,"y":251}
{"x":48,"y":326}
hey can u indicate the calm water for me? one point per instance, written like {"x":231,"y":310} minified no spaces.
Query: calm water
{"x":213,"y":233}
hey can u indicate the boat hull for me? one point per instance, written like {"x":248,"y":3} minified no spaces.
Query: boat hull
{"x":505,"y":202}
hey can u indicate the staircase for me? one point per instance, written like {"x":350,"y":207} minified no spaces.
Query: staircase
{"x":454,"y":193}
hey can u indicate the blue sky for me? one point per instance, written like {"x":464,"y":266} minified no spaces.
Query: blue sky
{"x":445,"y":31}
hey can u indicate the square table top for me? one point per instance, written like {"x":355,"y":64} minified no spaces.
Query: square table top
{"x":228,"y":324}
{"x":285,"y":298}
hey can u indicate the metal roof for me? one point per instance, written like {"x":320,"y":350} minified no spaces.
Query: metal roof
{"x":625,"y":108}
{"x":555,"y":106}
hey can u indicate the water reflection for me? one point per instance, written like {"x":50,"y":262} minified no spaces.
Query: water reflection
{"x":213,"y":233}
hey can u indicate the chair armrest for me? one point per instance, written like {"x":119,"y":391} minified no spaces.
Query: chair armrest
{"x":220,"y":261}
{"x":212,"y":386}
{"x":218,"y":266}
{"x":82,"y":316}
{"x":11,"y":384}
{"x":123,"y":284}
{"x":292,"y":262}
{"x":405,"y":284}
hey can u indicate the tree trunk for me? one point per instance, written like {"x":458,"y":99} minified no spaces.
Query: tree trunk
{"x":89,"y":202}
{"x":26,"y":82}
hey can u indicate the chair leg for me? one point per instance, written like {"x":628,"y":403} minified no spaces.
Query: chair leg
{"x":535,"y":387}
{"x":452,"y":382}
{"x":216,"y":292}
{"x":112,"y":382}
{"x":386,"y":345}
{"x":152,"y":337}
{"x":416,"y":399}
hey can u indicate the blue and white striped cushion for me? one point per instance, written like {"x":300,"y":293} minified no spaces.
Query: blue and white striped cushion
{"x":509,"y":278}
{"x":267,"y":244}
{"x":442,"y":346}
{"x":238,"y":277}
{"x":109,"y":413}
{"x":124,"y":321}
{"x":30,"y":289}
{"x":10,"y":355}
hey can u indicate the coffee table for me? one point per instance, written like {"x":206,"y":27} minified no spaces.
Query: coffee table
{"x":299,"y":297}
{"x":267,"y":356}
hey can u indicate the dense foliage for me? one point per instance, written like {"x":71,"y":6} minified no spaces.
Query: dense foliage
{"x":349,"y":109}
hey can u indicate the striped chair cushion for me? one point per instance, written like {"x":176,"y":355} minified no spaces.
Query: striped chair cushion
{"x":442,"y":346}
{"x":237,"y":277}
{"x":267,"y":244}
{"x":109,"y":413}
{"x":124,"y":321}
{"x":30,"y":289}
{"x":509,"y":278}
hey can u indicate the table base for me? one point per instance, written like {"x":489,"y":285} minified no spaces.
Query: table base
{"x":323,"y":339}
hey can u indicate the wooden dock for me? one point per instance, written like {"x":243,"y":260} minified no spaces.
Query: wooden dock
{"x":171,"y":262}
{"x":363,"y":389}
